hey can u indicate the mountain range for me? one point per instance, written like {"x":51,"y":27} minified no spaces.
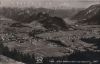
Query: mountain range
{"x":49,"y":18}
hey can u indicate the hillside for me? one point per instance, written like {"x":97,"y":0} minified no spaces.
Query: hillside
{"x":6,"y":60}
{"x":52,"y":23}
{"x":21,"y":13}
{"x":48,"y":18}
{"x":90,"y":15}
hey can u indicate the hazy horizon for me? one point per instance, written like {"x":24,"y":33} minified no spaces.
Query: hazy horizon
{"x":49,"y":3}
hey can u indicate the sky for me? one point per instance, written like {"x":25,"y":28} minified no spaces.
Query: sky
{"x":49,"y":3}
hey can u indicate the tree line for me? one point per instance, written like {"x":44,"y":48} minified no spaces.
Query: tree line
{"x":16,"y":55}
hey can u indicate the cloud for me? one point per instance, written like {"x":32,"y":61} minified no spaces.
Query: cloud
{"x":49,"y":3}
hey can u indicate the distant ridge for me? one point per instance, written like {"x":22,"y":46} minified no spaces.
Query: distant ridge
{"x":48,"y":18}
{"x":90,"y":15}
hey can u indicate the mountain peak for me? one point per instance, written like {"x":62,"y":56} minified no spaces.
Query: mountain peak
{"x":90,"y":15}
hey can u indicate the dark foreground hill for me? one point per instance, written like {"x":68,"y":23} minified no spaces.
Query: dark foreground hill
{"x":51,"y":23}
{"x":90,"y":15}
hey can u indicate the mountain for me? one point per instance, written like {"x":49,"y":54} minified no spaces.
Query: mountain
{"x":90,"y":15}
{"x":62,"y":13}
{"x":49,"y":22}
{"x":49,"y":19}
{"x":20,"y":14}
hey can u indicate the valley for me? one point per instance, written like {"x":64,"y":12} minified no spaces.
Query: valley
{"x":30,"y":36}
